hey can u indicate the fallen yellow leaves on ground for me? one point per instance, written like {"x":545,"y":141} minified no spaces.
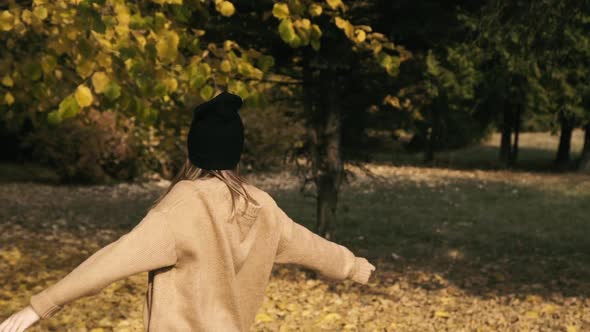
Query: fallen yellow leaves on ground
{"x":48,"y":230}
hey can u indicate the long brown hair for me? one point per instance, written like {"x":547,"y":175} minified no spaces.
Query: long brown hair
{"x":230,"y":177}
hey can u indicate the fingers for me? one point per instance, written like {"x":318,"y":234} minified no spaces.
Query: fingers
{"x":8,"y":325}
{"x":4,"y":327}
{"x":15,"y":323}
{"x":22,"y":326}
{"x":372,"y":269}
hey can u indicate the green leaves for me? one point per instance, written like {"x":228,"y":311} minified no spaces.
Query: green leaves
{"x":48,"y":63}
{"x":300,"y":32}
{"x":453,"y":76}
{"x":239,"y":87}
{"x":148,"y":114}
{"x":316,"y":35}
{"x":244,"y":68}
{"x":112,"y":90}
{"x":93,"y":48}
{"x":389,"y":62}
{"x":198,"y":74}
{"x":32,"y":71}
{"x":206,"y":92}
{"x":265,"y":62}
{"x":71,"y":105}
{"x":68,"y":107}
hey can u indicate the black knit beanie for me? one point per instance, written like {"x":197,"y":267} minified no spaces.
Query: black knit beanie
{"x":216,"y":136}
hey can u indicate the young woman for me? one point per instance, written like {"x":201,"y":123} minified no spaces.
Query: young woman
{"x":208,"y":243}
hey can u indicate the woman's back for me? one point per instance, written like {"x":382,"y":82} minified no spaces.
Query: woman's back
{"x":222,"y":269}
{"x":205,"y":273}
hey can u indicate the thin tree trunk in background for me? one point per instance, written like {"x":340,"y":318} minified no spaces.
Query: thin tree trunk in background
{"x":584,"y":164}
{"x":505,"y":141}
{"x":309,"y":84}
{"x":329,"y":169}
{"x":565,"y":139}
{"x":433,"y":136}
{"x":517,"y":124}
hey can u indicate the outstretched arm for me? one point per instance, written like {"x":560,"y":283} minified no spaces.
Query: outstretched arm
{"x":298,"y":245}
{"x":149,"y":245}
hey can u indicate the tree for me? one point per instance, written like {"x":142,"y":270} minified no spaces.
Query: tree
{"x":143,"y":59}
{"x":147,"y":59}
{"x":322,"y":66}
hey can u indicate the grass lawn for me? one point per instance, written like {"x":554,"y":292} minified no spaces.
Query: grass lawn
{"x":536,"y":153}
{"x":465,"y":248}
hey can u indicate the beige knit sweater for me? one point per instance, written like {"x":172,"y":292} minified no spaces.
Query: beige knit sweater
{"x":204,"y":274}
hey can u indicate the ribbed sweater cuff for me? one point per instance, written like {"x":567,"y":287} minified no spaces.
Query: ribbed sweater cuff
{"x":360,"y":270}
{"x":43,"y":305}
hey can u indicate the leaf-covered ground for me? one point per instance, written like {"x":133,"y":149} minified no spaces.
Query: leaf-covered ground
{"x":455,"y":251}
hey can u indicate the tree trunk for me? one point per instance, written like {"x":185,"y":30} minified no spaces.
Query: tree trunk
{"x":433,"y":136}
{"x":506,"y":139}
{"x":584,"y":164}
{"x":324,"y":129}
{"x":430,"y":147}
{"x":516,"y":127}
{"x":330,"y":167}
{"x":565,"y":138}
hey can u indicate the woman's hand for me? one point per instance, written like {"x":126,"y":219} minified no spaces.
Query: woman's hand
{"x":20,"y":321}
{"x":361,"y":270}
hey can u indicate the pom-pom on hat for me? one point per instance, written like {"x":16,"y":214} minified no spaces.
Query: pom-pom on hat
{"x":216,"y":136}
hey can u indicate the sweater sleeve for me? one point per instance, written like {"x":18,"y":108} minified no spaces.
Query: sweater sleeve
{"x":149,"y":245}
{"x":298,"y":245}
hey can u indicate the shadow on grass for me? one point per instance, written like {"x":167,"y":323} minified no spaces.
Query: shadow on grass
{"x":480,"y":157}
{"x":479,"y":236}
{"x":498,"y":237}
{"x":27,"y":172}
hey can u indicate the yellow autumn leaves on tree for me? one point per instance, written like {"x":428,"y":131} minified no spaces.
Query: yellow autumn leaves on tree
{"x":86,"y":52}
{"x":83,"y":96}
{"x":335,"y":4}
{"x":224,"y":7}
{"x":300,"y":31}
{"x":71,"y":105}
{"x":100,"y":81}
{"x":6,"y":20}
{"x":167,"y":46}
{"x":280,"y":10}
{"x":297,"y":30}
{"x":106,"y":46}
{"x":162,"y":2}
{"x":8,"y":82}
